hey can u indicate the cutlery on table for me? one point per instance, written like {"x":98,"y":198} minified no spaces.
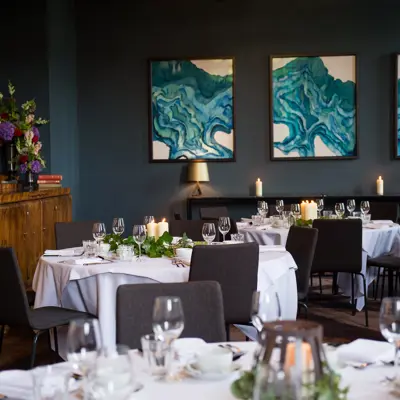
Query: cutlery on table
{"x":236,"y":352}
{"x":367,"y":364}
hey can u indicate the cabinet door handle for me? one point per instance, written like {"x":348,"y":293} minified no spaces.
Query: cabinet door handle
{"x":25,"y":234}
{"x":56,"y":208}
{"x":27,"y":213}
{"x":44,"y":229}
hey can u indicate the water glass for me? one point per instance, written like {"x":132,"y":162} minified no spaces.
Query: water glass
{"x":118,"y":226}
{"x":209,"y":232}
{"x":91,"y":248}
{"x":224,"y":226}
{"x":257,"y":220}
{"x":351,"y":206}
{"x":357,"y":214}
{"x":125,"y":253}
{"x":295,"y":210}
{"x":238,"y":237}
{"x":139,"y":236}
{"x":262,"y":208}
{"x":366,"y":218}
{"x":339,"y":210}
{"x":148,"y":219}
{"x":155,"y":354}
{"x":280,"y":206}
{"x":99,"y":231}
{"x":365,"y":207}
{"x":320,"y":206}
{"x":327,"y":213}
{"x":265,"y":307}
{"x":53,"y":383}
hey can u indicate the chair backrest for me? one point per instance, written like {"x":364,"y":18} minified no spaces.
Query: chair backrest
{"x":13,"y":301}
{"x":384,"y":210}
{"x":71,"y":234}
{"x":202,"y":306}
{"x":213,"y":212}
{"x":301,"y":244}
{"x":192,"y":228}
{"x":339,"y":245}
{"x":235,"y":267}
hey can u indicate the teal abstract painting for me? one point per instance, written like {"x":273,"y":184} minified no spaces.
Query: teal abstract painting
{"x":314,"y":107}
{"x":192,"y":110}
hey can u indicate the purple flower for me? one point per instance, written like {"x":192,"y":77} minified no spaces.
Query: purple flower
{"x":22,"y":168}
{"x":7,"y":131}
{"x":36,"y":167}
{"x":36,"y":131}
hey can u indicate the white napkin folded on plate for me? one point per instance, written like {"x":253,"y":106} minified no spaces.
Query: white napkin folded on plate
{"x":64,"y":252}
{"x":273,"y":247}
{"x":365,"y":351}
{"x":85,"y":261}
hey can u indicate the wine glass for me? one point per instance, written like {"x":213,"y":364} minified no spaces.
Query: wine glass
{"x":139,"y":236}
{"x":262,"y":208}
{"x":320,"y":206}
{"x":339,"y":209}
{"x":208,"y":232}
{"x":148,"y":219}
{"x":265,"y":307}
{"x":280,"y":206}
{"x":365,"y":207}
{"x":295,"y":209}
{"x":168,"y":322}
{"x":351,"y":206}
{"x":224,"y":226}
{"x":83,"y":344}
{"x":99,"y":231}
{"x":389,"y":324}
{"x":118,"y":226}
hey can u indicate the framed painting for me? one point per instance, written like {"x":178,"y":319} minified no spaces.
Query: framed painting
{"x":313,"y":107}
{"x":396,"y":133}
{"x":192,"y":110}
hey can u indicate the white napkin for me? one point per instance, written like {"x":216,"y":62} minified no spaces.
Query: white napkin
{"x":273,"y":247}
{"x":382,"y":221}
{"x":242,"y":225}
{"x":17,"y":384}
{"x":375,"y":226}
{"x":64,"y":252}
{"x":246,"y":220}
{"x":85,"y":261}
{"x":365,"y":351}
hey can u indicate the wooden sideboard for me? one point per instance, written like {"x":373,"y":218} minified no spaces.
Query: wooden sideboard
{"x":27,"y":224}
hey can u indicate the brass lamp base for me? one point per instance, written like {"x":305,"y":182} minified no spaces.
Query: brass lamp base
{"x":197,"y":191}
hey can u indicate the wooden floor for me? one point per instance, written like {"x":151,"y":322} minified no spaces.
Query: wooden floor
{"x":339,"y":327}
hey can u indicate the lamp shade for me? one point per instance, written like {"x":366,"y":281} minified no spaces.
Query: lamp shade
{"x":198,"y":172}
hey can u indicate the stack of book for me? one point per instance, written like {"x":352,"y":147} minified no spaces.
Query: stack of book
{"x":49,"y":181}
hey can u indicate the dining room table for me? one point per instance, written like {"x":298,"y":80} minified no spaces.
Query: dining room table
{"x":68,"y":281}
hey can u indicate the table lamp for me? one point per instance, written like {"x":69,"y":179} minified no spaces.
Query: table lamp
{"x":198,"y":172}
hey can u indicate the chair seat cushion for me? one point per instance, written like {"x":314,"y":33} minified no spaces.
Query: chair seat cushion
{"x":385,"y":262}
{"x":49,"y":317}
{"x":302,"y":295}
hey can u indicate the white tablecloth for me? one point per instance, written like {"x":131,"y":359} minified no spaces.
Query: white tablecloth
{"x":93,"y":288}
{"x":265,"y":235}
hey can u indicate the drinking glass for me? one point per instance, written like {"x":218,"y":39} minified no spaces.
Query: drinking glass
{"x":148,"y":219}
{"x":320,"y":206}
{"x":238,"y":237}
{"x":339,"y":209}
{"x":295,"y":209}
{"x":351,"y":206}
{"x":139,"y":236}
{"x":265,"y":307}
{"x":389,"y":324}
{"x":83,"y":343}
{"x":262,"y":208}
{"x":208,"y":232}
{"x":155,"y":354}
{"x":118,"y":226}
{"x":280,"y":206}
{"x":51,"y":383}
{"x":365,"y":207}
{"x":224,"y":226}
{"x":99,"y":231}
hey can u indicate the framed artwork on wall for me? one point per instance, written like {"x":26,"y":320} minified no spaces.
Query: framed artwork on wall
{"x":192,"y":110}
{"x":396,"y":133}
{"x":313,"y":102}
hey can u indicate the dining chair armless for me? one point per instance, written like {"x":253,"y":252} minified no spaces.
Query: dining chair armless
{"x":71,"y":234}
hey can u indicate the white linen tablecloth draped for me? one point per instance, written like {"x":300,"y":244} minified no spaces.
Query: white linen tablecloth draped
{"x":93,"y":287}
{"x":264,"y":235}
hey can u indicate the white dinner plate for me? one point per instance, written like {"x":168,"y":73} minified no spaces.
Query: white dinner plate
{"x":193,"y":372}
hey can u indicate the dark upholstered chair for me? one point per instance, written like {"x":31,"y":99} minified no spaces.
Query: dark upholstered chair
{"x":202,"y":306}
{"x":390,"y":265}
{"x":71,"y":234}
{"x":339,"y":249}
{"x":301,"y":244}
{"x":192,"y":228}
{"x":386,"y":210}
{"x":213,"y":212}
{"x":14,"y":308}
{"x":235,"y":267}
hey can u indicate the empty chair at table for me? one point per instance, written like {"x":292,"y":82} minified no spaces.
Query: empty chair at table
{"x":235,"y":267}
{"x":213,"y":212}
{"x":301,"y":244}
{"x":384,"y":211}
{"x":192,"y":228}
{"x":14,"y":308}
{"x":71,"y":234}
{"x":202,"y":307}
{"x":339,"y":249}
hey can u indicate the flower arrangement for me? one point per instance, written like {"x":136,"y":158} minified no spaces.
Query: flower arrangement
{"x":20,"y":125}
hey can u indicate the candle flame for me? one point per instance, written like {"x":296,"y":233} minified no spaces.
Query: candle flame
{"x":163,"y":220}
{"x":258,"y":179}
{"x":312,"y":201}
{"x":380,"y":178}
{"x":307,"y":201}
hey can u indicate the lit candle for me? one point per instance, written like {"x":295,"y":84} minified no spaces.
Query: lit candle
{"x":306,"y":355}
{"x":379,"y":186}
{"x":161,"y":228}
{"x":258,"y":188}
{"x":312,"y":210}
{"x":151,"y":229}
{"x":303,"y":208}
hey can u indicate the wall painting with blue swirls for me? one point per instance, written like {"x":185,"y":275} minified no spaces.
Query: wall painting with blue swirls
{"x":314,"y":109}
{"x":192,"y":110}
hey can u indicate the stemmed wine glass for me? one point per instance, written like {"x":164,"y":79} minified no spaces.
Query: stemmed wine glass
{"x":280,"y":206}
{"x":351,"y":206}
{"x":118,"y":226}
{"x":320,"y":206}
{"x":365,"y":207}
{"x":168,"y":322}
{"x":295,"y":209}
{"x":265,"y":307}
{"x":99,"y":231}
{"x":208,"y":232}
{"x":339,"y":209}
{"x":389,"y":324}
{"x":148,"y":219}
{"x":224,"y":226}
{"x":262,"y":208}
{"x":139,"y":236}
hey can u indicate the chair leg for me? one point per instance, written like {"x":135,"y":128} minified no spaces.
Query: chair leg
{"x":383,"y":283}
{"x":227,"y":326}
{"x":365,"y":300}
{"x":2,"y":329}
{"x":34,"y":344}
{"x":320,"y":284}
{"x":55,"y":335}
{"x":352,"y":295}
{"x":334,"y":283}
{"x":305,"y":306}
{"x":377,"y":284}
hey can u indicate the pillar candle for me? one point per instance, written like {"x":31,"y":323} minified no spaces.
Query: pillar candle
{"x":258,"y":188}
{"x":312,"y":211}
{"x":303,"y":207}
{"x":151,"y":229}
{"x":379,"y":186}
{"x":306,"y":355}
{"x":161,"y":228}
